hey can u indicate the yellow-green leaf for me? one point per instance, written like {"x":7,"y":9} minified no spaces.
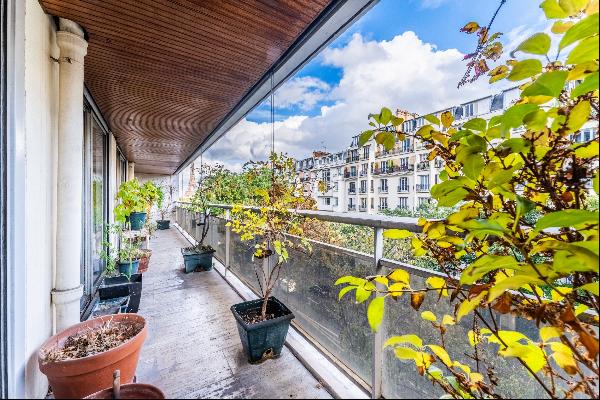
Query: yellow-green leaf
{"x":565,"y":218}
{"x":525,"y":69}
{"x":412,"y":339}
{"x":405,"y":353}
{"x":441,"y":353}
{"x":587,"y":150}
{"x":586,"y":50}
{"x":447,"y":119}
{"x":375,"y":312}
{"x":530,"y":354}
{"x":582,"y":29}
{"x":436,"y":282}
{"x":400,"y":275}
{"x":345,"y":290}
{"x":590,"y":287}
{"x":448,"y":320}
{"x":549,"y":332}
{"x":535,"y":44}
{"x":514,"y":282}
{"x":397,"y":234}
{"x":428,"y":316}
{"x":469,"y":305}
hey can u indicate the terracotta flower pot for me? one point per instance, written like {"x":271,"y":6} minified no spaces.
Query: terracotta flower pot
{"x":77,"y":378}
{"x":131,"y":391}
{"x":144,"y":260}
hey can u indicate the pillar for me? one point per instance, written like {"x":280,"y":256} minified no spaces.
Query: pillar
{"x":130,"y":171}
{"x":68,"y":290}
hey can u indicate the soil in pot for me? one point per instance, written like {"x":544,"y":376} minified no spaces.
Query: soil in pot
{"x":260,"y":339}
{"x":197,"y":258}
{"x":81,"y":359}
{"x":163,"y":224}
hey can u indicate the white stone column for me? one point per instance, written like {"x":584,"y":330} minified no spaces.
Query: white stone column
{"x":67,"y":287}
{"x":130,"y":171}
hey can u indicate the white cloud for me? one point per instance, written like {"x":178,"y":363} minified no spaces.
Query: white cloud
{"x":403,"y":72}
{"x":304,"y":92}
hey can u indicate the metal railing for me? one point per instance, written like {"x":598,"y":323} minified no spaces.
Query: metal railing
{"x":340,"y":328}
{"x":422,"y":188}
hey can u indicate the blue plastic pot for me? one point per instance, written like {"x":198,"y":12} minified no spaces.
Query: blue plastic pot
{"x":129,"y":267}
{"x":265,"y":339}
{"x":194,"y":261}
{"x":137,"y":220}
{"x":162,"y":224}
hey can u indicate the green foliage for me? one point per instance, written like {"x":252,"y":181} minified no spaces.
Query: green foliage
{"x":135,"y":197}
{"x":522,"y":215}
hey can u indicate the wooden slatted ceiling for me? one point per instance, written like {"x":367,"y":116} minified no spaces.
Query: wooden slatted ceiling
{"x":165,"y":72}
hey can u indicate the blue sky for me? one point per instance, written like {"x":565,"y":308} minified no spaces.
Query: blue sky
{"x":402,"y":54}
{"x":434,"y":21}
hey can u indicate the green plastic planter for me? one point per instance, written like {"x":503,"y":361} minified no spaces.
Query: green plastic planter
{"x":137,"y":220}
{"x":162,"y":224}
{"x":129,"y":267}
{"x":265,"y":339}
{"x":194,"y":261}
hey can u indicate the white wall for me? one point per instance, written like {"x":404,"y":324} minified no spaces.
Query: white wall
{"x":41,"y":127}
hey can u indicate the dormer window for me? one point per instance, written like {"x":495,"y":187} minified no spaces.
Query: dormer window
{"x":469,"y":110}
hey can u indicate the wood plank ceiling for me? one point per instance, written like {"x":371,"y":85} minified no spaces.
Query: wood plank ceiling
{"x":164,"y":73}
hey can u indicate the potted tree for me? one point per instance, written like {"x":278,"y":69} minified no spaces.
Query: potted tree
{"x":164,"y":206}
{"x":136,"y":201}
{"x":122,"y":278}
{"x":199,"y":257}
{"x":81,"y":359}
{"x":263,"y":323}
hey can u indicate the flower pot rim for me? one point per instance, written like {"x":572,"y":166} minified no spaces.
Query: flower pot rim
{"x":102,"y":359}
{"x":288,"y":314}
{"x":128,"y":388}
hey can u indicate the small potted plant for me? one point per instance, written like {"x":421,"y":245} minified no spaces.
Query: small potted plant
{"x":263,"y":323}
{"x":121,"y":278}
{"x":199,"y":257}
{"x":81,"y":359}
{"x":164,"y":206}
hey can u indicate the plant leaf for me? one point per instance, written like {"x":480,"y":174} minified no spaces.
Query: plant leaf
{"x":375,"y":312}
{"x":538,"y":43}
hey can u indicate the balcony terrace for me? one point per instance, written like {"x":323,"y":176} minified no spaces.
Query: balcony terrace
{"x":152,"y":71}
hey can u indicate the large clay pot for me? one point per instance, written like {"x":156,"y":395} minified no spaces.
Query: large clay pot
{"x":75,"y":379}
{"x":131,"y":391}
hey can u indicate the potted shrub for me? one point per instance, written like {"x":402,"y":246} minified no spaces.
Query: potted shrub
{"x":136,"y":200}
{"x":199,"y":257}
{"x":263,"y":323}
{"x":164,"y":206}
{"x":81,"y":359}
{"x":121,"y":279}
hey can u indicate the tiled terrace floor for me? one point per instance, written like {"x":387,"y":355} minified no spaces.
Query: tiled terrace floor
{"x":193,"y":349}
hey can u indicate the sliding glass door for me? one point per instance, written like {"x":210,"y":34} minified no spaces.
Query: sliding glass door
{"x":95,"y":203}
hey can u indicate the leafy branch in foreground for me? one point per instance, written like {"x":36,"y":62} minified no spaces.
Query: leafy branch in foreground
{"x":543,"y":269}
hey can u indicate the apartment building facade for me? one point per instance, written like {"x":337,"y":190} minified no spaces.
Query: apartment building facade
{"x":371,"y":179}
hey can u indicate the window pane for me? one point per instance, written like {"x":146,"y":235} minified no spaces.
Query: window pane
{"x":97,"y":191}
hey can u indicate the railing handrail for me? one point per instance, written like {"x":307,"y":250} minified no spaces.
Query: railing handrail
{"x":370,"y":220}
